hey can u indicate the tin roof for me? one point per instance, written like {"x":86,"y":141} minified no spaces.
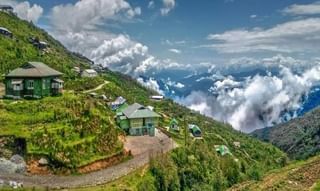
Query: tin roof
{"x":34,"y":69}
{"x":5,"y":7}
{"x":139,"y":111}
{"x":90,"y":71}
{"x":5,"y":29}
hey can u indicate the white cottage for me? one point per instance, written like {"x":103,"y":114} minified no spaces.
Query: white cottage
{"x":89,"y":73}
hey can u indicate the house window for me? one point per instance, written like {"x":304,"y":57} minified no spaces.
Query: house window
{"x":17,"y":87}
{"x":31,"y":85}
{"x":136,"y":123}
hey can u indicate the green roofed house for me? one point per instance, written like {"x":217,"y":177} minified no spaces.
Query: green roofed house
{"x":138,"y":120}
{"x":174,"y":125}
{"x":222,"y":150}
{"x":195,"y":130}
{"x":33,"y":80}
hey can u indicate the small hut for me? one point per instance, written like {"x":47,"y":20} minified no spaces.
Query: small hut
{"x":174,"y":124}
{"x":222,"y":150}
{"x":195,"y":130}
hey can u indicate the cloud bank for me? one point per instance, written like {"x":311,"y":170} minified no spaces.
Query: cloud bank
{"x":293,"y":36}
{"x":258,"y":101}
{"x":303,"y":9}
{"x":81,"y":27}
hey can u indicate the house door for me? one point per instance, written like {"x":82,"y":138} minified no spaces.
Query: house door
{"x":145,"y":131}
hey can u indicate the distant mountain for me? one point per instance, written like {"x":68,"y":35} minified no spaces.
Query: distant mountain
{"x":300,"y":137}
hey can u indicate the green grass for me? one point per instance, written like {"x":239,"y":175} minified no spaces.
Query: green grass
{"x":297,"y":176}
{"x":72,"y":129}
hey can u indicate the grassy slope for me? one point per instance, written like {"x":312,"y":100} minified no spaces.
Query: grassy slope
{"x":73,"y":129}
{"x":299,"y":176}
{"x":60,"y":126}
{"x":14,"y":52}
{"x":87,"y":122}
{"x":300,"y":137}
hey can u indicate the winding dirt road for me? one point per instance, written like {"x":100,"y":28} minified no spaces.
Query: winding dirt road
{"x":151,"y":146}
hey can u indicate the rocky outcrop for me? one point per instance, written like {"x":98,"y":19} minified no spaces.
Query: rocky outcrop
{"x":15,"y":165}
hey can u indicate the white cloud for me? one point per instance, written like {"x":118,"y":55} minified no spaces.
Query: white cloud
{"x":117,"y":52}
{"x":294,"y":36}
{"x":257,"y":102}
{"x":227,"y":83}
{"x":168,"y":5}
{"x":253,"y":16}
{"x":25,"y":10}
{"x":88,"y":14}
{"x":152,"y":84}
{"x":174,"y":84}
{"x":151,"y":4}
{"x":172,"y":43}
{"x":175,"y":51}
{"x":305,"y":9}
{"x":80,"y":30}
{"x":133,"y":12}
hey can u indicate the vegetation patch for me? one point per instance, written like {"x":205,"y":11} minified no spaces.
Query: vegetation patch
{"x":72,"y":131}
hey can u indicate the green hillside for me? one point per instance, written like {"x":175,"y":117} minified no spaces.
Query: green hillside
{"x":300,"y":137}
{"x":18,"y":50}
{"x":299,"y":176}
{"x":76,"y":129}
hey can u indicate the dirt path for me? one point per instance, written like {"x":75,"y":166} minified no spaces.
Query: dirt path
{"x":141,"y":157}
{"x":97,"y":88}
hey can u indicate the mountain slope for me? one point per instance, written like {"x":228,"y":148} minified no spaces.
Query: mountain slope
{"x":18,"y":50}
{"x":299,"y":176}
{"x":68,"y":127}
{"x":300,"y":137}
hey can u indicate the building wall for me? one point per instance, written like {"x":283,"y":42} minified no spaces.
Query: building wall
{"x":141,"y":126}
{"x":136,"y":123}
{"x":46,"y":86}
{"x":36,"y":92}
{"x":10,"y":91}
{"x":41,"y":88}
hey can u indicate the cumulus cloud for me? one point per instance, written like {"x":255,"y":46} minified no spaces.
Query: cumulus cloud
{"x":293,"y":36}
{"x":168,"y":5}
{"x":175,"y":51}
{"x":79,"y":27}
{"x":88,"y":14}
{"x":152,"y":84}
{"x":25,"y":10}
{"x":174,"y":84}
{"x":303,"y":9}
{"x":258,"y":101}
{"x":117,"y":52}
{"x":151,"y":4}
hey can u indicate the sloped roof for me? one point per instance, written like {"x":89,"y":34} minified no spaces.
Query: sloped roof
{"x":174,"y":121}
{"x":34,"y":69}
{"x":139,"y":111}
{"x":120,"y":100}
{"x":5,"y":29}
{"x":5,"y":7}
{"x":90,"y":71}
{"x":222,"y":149}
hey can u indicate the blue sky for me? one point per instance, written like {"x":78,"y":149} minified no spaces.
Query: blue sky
{"x":182,"y":35}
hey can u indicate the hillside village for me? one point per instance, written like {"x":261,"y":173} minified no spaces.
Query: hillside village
{"x":60,"y":116}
